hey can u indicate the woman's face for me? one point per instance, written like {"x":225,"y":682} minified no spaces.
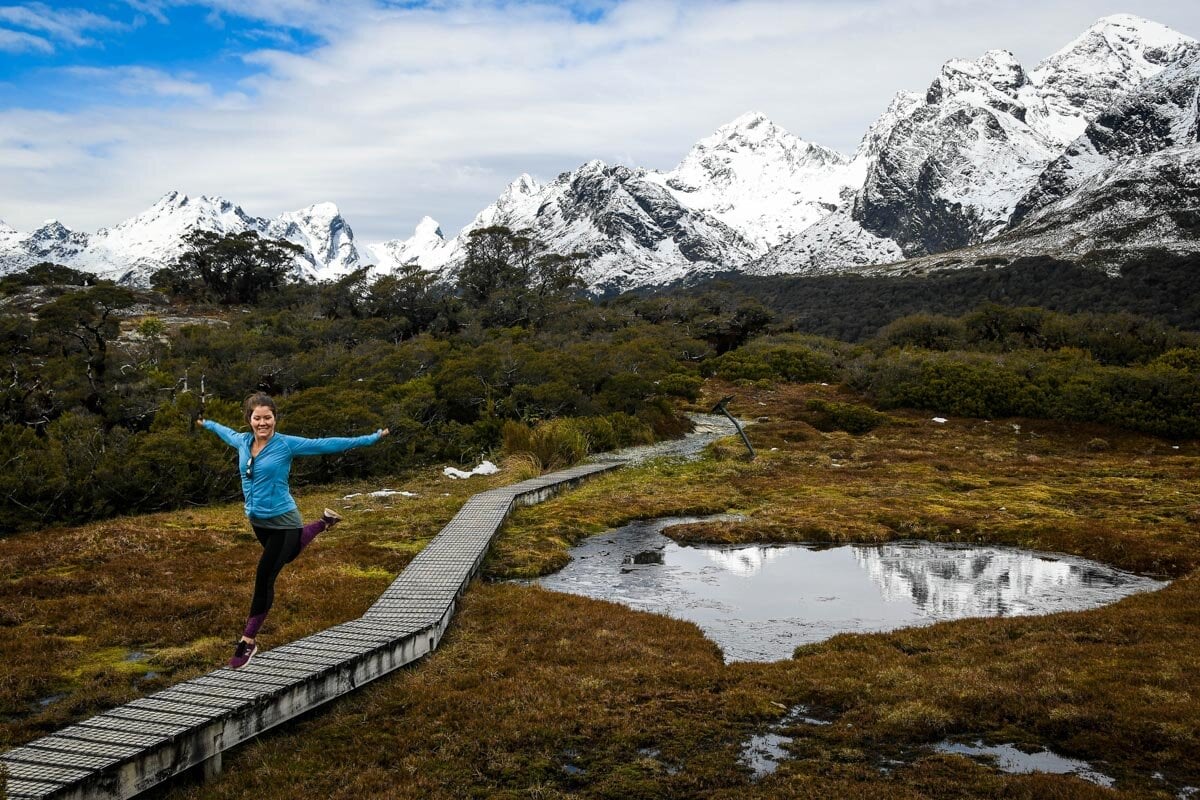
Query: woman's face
{"x":262,"y":422}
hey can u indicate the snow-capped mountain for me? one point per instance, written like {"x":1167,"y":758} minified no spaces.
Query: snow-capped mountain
{"x":1095,"y":147}
{"x":1162,"y":114}
{"x":135,"y":248}
{"x":327,"y":240}
{"x":761,"y":180}
{"x":736,"y":193}
{"x":1097,"y":69}
{"x":634,"y":230}
{"x":949,"y":169}
{"x":1132,"y":180}
{"x":427,"y":247}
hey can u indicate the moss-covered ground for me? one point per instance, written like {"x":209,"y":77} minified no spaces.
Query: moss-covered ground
{"x":536,"y":694}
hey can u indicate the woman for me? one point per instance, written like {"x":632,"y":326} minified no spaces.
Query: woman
{"x":264,"y":462}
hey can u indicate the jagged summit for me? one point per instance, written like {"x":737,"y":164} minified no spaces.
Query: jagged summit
{"x":1098,"y":68}
{"x":1140,"y":43}
{"x":991,"y":81}
{"x":428,"y":228}
{"x":759,"y":179}
{"x":327,"y":239}
{"x":753,"y":132}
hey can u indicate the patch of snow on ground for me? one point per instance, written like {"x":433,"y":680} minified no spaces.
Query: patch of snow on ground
{"x":485,"y":468}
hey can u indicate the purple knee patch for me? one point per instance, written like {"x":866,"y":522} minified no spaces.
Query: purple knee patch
{"x":310,"y":531}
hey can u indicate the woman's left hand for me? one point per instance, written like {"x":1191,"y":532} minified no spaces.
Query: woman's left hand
{"x":384,"y":431}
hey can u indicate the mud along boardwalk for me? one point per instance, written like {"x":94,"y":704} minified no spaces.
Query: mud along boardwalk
{"x":131,"y":748}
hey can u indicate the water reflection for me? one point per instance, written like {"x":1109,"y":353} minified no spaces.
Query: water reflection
{"x":949,"y":581}
{"x":758,"y":603}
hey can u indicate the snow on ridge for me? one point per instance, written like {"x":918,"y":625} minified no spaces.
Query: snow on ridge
{"x":1098,"y":67}
{"x":759,"y":179}
{"x":982,"y":134}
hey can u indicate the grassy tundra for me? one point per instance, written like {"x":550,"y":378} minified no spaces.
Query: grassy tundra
{"x":536,"y":694}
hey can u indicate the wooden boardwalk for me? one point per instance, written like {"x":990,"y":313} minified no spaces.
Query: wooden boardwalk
{"x":129,"y":749}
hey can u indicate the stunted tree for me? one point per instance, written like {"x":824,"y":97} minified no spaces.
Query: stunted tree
{"x":510,"y":278}
{"x":410,"y":299}
{"x":230,"y":269}
{"x":84,"y":322}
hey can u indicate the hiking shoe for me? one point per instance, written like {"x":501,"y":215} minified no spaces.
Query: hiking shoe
{"x":242,"y":653}
{"x":331,"y":517}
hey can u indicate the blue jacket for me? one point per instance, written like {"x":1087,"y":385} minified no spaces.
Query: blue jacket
{"x":266,"y":490}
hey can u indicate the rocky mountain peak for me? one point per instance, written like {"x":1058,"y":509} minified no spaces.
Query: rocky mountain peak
{"x":1125,"y":41}
{"x":759,"y":180}
{"x":318,"y":211}
{"x":998,"y":69}
{"x":428,"y":229}
{"x":994,"y":80}
{"x":52,"y":229}
{"x":754,"y":134}
{"x":1098,"y":68}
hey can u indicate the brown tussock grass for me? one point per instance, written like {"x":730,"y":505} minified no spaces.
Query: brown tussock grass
{"x":529,"y":683}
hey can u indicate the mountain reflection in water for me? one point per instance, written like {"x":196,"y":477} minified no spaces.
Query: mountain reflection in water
{"x":759,"y":602}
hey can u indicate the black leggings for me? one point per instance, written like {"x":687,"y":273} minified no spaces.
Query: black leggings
{"x":280,"y":547}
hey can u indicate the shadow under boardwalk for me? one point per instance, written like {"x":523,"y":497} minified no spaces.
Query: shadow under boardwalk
{"x":131,"y":748}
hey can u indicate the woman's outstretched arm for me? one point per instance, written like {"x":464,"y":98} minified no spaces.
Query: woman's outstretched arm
{"x":228,"y":435}
{"x":334,"y":444}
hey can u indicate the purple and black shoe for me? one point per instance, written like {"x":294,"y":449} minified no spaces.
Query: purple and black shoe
{"x":242,"y":653}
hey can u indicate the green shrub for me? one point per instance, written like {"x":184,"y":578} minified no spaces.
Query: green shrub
{"x":1182,"y":358}
{"x":151,"y":327}
{"x":926,"y":331}
{"x":794,"y":363}
{"x":849,"y":417}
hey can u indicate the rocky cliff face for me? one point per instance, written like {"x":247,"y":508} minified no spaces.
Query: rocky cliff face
{"x":950,"y":172}
{"x":632,"y":227}
{"x":1162,"y":115}
{"x":328,"y":241}
{"x":959,"y":165}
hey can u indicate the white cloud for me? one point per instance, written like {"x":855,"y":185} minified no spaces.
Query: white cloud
{"x":21,"y":42}
{"x":134,"y":81}
{"x":67,"y":25}
{"x":151,"y":8}
{"x":433,"y":110}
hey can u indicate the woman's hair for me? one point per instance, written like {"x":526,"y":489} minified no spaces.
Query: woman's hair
{"x":257,"y":400}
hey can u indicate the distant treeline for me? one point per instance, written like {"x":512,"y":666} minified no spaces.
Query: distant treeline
{"x":1161,"y":286}
{"x":102,"y":383}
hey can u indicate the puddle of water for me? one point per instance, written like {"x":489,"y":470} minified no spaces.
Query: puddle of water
{"x":762,"y":753}
{"x":760,"y":602}
{"x":1008,"y":758}
{"x":50,"y":700}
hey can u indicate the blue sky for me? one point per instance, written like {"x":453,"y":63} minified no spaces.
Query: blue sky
{"x":394,"y":110}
